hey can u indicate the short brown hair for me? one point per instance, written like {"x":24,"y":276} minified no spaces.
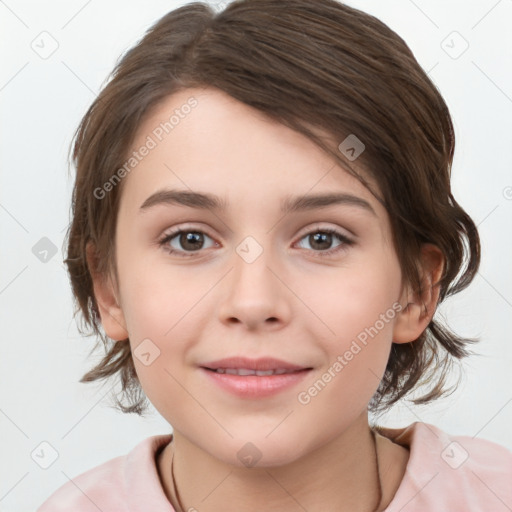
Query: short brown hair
{"x":304,"y":64}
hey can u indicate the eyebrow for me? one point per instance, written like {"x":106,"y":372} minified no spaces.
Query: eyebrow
{"x":206,"y":201}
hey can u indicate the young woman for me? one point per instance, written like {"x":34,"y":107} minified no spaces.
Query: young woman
{"x":263,"y":226}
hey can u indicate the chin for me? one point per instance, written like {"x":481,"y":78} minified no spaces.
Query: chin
{"x":257,"y":451}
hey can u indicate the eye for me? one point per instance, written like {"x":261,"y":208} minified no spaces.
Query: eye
{"x":190,"y":240}
{"x":320,"y":238}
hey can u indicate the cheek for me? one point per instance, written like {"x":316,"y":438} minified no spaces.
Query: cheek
{"x":159,"y":300}
{"x":358,"y":308}
{"x":356,"y":356}
{"x":163,"y":323}
{"x":357,"y":296}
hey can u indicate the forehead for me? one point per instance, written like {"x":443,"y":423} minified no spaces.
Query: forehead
{"x":205,"y":140}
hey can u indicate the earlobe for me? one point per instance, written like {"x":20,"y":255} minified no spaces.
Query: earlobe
{"x":112,"y":317}
{"x":419,"y":306}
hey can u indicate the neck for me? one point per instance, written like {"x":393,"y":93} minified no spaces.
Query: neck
{"x":341,"y":475}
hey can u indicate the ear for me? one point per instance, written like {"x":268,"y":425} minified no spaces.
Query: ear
{"x":111,"y":314}
{"x":419,"y":308}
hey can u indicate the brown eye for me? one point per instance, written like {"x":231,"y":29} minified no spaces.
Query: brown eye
{"x":320,"y":241}
{"x":185,"y":241}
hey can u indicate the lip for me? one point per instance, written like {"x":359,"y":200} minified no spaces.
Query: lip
{"x":263,"y":363}
{"x":254,"y":386}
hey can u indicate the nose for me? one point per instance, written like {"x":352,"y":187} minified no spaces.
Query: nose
{"x":254,"y":293}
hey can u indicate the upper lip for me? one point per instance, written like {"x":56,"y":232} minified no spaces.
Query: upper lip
{"x":263,"y":363}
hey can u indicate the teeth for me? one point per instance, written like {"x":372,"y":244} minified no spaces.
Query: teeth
{"x":246,"y":371}
{"x":268,"y":372}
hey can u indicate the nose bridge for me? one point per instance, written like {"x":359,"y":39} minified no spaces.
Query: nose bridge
{"x":251,"y":266}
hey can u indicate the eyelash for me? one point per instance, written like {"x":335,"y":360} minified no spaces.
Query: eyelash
{"x":346,"y":242}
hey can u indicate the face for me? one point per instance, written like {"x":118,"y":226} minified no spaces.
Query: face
{"x":316,"y":287}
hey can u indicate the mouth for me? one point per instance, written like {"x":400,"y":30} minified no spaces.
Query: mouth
{"x":254,"y":378}
{"x":245,"y":366}
{"x":243,"y":372}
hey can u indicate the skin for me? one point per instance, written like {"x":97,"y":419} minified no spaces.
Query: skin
{"x":290,"y":303}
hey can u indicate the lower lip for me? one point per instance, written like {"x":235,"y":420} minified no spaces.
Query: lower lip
{"x":254,"y":386}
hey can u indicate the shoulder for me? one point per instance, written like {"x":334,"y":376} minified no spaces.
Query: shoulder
{"x":99,"y":488}
{"x":113,"y":485}
{"x":454,"y":472}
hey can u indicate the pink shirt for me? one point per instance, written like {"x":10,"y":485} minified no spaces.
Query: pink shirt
{"x":444,"y":474}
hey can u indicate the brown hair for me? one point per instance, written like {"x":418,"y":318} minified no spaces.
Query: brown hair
{"x":307,"y":65}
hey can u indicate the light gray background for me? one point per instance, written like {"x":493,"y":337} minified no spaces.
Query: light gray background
{"x":43,"y":99}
